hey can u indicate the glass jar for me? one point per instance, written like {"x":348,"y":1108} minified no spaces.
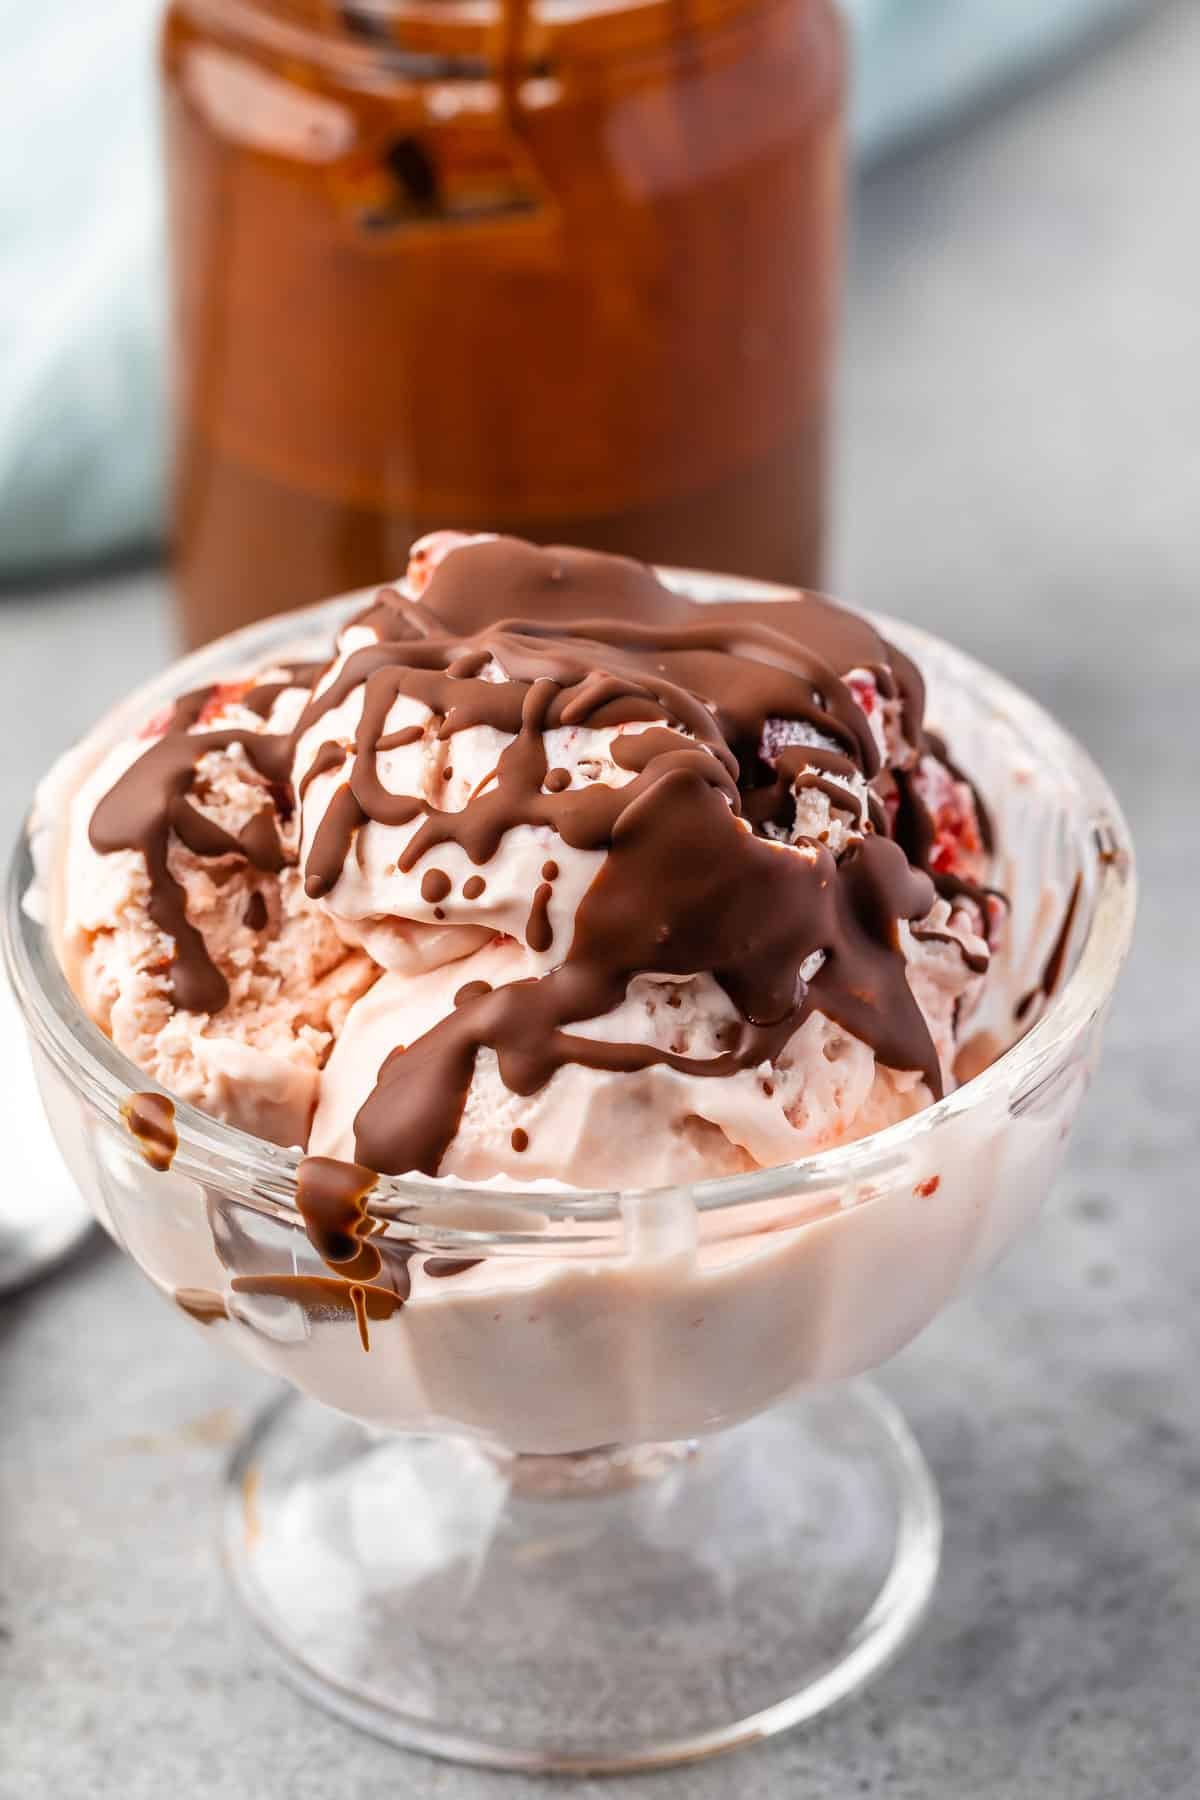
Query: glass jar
{"x":565,"y":270}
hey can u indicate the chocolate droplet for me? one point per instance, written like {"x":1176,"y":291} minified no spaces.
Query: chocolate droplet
{"x":539,"y":933}
{"x":435,"y":885}
{"x":255,"y":916}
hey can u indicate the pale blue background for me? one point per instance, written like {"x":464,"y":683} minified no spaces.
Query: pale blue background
{"x":81,"y":439}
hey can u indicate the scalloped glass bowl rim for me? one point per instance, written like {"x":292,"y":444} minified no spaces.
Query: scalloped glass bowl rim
{"x":263,"y":1175}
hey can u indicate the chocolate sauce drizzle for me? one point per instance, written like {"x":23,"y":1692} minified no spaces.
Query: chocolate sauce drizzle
{"x":1052,"y":970}
{"x":688,"y":885}
{"x":151,"y":801}
{"x":151,"y":1120}
{"x":201,"y":1304}
{"x":327,"y":1295}
{"x":371,"y":1277}
{"x":331,"y":1198}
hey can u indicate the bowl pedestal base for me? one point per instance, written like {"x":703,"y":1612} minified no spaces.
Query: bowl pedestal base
{"x":616,"y":1610}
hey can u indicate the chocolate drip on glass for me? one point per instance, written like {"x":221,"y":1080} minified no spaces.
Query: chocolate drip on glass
{"x":151,"y":1120}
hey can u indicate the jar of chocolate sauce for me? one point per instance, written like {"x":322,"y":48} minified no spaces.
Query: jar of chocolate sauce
{"x":561,"y":268}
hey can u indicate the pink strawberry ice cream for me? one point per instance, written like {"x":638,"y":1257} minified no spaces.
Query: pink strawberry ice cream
{"x":291,"y":980}
{"x":549,"y":873}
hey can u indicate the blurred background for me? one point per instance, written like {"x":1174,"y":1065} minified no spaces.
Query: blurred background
{"x":606,"y":287}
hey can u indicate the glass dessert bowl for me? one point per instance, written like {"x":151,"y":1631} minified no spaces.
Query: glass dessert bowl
{"x":592,"y":1483}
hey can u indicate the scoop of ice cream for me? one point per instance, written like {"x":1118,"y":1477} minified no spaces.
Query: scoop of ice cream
{"x":192,"y":945}
{"x":712,"y":890}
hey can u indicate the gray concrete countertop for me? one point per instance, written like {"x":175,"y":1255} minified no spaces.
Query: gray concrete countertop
{"x":1019,"y":469}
